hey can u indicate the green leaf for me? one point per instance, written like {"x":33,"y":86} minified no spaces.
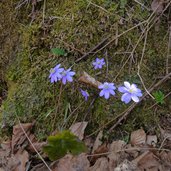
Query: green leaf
{"x":63,"y":143}
{"x":58,"y":51}
{"x":159,"y":97}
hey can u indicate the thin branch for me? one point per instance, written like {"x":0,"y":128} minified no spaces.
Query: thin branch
{"x":98,"y":6}
{"x":127,"y":112}
{"x":92,"y":50}
{"x":148,"y":9}
{"x":33,"y":146}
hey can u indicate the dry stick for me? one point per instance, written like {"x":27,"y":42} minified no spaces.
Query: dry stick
{"x":116,"y":37}
{"x":104,"y":40}
{"x":146,"y":21}
{"x":148,"y":9}
{"x":44,"y":7}
{"x":168,"y":51}
{"x":67,"y":119}
{"x":33,"y":146}
{"x":127,"y":150}
{"x":98,"y":6}
{"x":158,"y":102}
{"x":70,"y":46}
{"x":140,"y":38}
{"x":142,"y":56}
{"x":126,"y":113}
{"x":92,"y":50}
{"x":119,"y":35}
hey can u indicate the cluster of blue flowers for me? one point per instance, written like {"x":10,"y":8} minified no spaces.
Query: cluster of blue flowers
{"x":129,"y":91}
{"x":57,"y":74}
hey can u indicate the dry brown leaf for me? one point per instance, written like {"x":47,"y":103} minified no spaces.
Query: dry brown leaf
{"x":117,"y":154}
{"x":37,"y":145}
{"x":138,"y":137}
{"x":40,"y":167}
{"x":98,"y":141}
{"x":100,"y":165}
{"x":6,"y":146}
{"x":101,"y":150}
{"x":12,"y":163}
{"x":166,"y":134}
{"x":22,"y":157}
{"x":151,"y":140}
{"x":88,"y":141}
{"x":157,"y":6}
{"x":149,"y":162}
{"x":71,"y":163}
{"x":86,"y":78}
{"x":166,"y":158}
{"x":126,"y":166}
{"x":132,"y":151}
{"x":78,"y":129}
{"x":18,"y":136}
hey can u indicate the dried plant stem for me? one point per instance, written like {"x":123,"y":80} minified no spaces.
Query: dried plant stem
{"x":168,"y":51}
{"x":33,"y":146}
{"x":44,"y":8}
{"x":157,"y":102}
{"x":126,"y":113}
{"x":91,"y":3}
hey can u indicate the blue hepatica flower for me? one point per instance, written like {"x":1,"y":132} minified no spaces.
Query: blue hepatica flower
{"x":98,"y":63}
{"x":55,"y":73}
{"x":67,"y":76}
{"x":85,"y":94}
{"x":107,"y":89}
{"x":131,"y":92}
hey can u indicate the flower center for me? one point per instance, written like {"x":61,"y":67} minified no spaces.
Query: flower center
{"x":131,"y":90}
{"x":52,"y":70}
{"x":106,"y":87}
{"x":99,"y":63}
{"x":63,"y":73}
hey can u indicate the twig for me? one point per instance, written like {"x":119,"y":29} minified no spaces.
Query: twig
{"x":127,"y":150}
{"x":168,"y":51}
{"x":33,"y":146}
{"x":119,"y":35}
{"x":148,"y":9}
{"x":20,"y":4}
{"x":44,"y":7}
{"x":98,"y":6}
{"x":158,"y":102}
{"x":126,"y":113}
{"x":92,"y":50}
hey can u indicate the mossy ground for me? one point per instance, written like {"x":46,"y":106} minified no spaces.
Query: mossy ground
{"x":77,"y":26}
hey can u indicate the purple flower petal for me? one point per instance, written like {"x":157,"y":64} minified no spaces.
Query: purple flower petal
{"x":130,"y":92}
{"x":106,"y":95}
{"x":102,"y":93}
{"x":122,"y":89}
{"x":111,"y":92}
{"x":85,"y":94}
{"x":55,"y":73}
{"x":127,"y":84}
{"x":135,"y":98}
{"x":64,"y":80}
{"x":98,"y":63}
{"x":107,"y":89}
{"x":126,"y":98}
